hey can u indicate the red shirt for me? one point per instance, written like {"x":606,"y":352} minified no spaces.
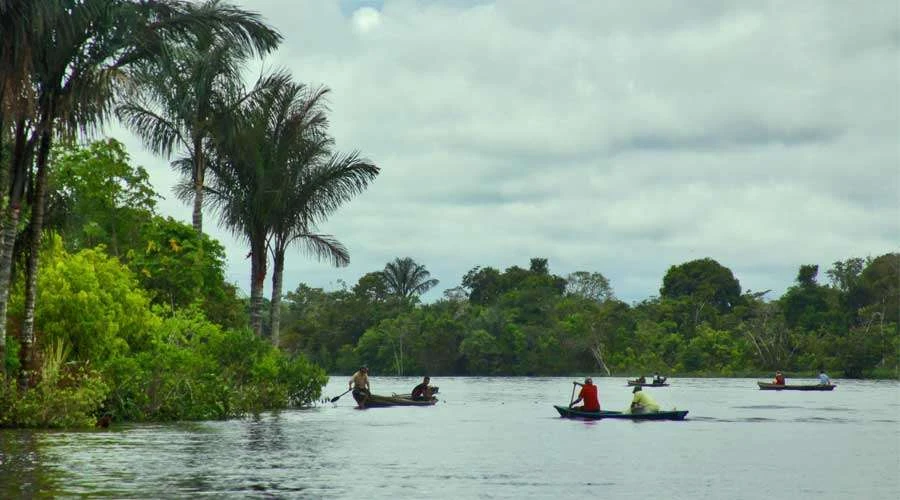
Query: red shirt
{"x":779,"y":379}
{"x":589,"y":395}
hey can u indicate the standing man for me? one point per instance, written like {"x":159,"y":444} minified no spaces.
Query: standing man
{"x":360,"y":385}
{"x":589,"y":395}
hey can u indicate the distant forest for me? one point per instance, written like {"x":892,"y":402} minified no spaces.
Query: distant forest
{"x":528,"y":321}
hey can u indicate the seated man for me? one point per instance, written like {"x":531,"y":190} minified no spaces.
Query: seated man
{"x":422,"y":392}
{"x":779,"y":378}
{"x":823,"y":379}
{"x":641,"y":380}
{"x":658,"y":380}
{"x":642,"y":403}
{"x":589,"y":395}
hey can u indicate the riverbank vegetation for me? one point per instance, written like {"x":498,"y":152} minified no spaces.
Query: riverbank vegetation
{"x":528,"y":321}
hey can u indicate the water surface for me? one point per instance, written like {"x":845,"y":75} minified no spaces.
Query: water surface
{"x":491,"y":438}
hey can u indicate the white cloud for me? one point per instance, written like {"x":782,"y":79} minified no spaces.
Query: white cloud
{"x":366,"y":19}
{"x":614,"y":137}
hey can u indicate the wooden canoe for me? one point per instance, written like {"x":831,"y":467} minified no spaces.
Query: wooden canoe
{"x":647,"y":384}
{"x":565,"y":411}
{"x":768,"y":386}
{"x":376,"y":401}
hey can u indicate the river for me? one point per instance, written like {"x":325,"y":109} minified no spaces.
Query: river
{"x":491,"y":438}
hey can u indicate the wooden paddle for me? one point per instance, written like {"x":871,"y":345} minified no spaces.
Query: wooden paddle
{"x":334,"y":399}
{"x":572,"y":399}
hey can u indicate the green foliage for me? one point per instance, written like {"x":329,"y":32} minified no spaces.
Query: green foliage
{"x":406,"y":278}
{"x":181,"y":267}
{"x":92,"y":302}
{"x":128,"y":362}
{"x":97,"y":197}
{"x":66,"y":394}
{"x":592,"y":286}
{"x":199,"y":371}
{"x":704,"y":281}
{"x":519,"y":322}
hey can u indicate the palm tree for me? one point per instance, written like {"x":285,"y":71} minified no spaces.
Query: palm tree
{"x":179,"y":97}
{"x":406,"y":278}
{"x":242,"y":186}
{"x":18,"y":20}
{"x":315,"y":182}
{"x":270,"y":183}
{"x":76,"y":53}
{"x":316,"y":190}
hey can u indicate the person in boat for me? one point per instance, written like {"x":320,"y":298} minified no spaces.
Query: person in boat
{"x":360,"y":385}
{"x":823,"y":378}
{"x":422,"y":392}
{"x":779,"y":378}
{"x":657,"y":379}
{"x":589,"y":395}
{"x":642,"y":402}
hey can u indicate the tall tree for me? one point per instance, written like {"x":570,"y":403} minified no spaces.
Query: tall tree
{"x":178,"y":98}
{"x":270,"y":184}
{"x":593,"y":286}
{"x":406,"y":278}
{"x":312,"y":182}
{"x":705,"y":281}
{"x":242,"y":182}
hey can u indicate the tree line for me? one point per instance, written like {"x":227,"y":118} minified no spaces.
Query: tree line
{"x":528,"y":321}
{"x":177,"y":341}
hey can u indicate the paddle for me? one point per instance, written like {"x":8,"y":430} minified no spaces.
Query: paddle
{"x":334,"y":399}
{"x":572,"y":399}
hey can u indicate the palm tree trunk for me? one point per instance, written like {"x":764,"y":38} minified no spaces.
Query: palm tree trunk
{"x":18,"y":174}
{"x":199,"y":175}
{"x":257,"y":281}
{"x":277,"y":283}
{"x":31,"y":269}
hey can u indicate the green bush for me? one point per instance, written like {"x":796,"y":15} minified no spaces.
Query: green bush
{"x":66,"y":395}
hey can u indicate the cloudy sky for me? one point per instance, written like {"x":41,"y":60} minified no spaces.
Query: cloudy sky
{"x":619,"y":137}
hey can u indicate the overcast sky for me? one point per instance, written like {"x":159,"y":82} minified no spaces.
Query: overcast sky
{"x":619,"y":137}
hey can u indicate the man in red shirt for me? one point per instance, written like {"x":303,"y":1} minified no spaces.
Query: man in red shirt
{"x":589,"y":395}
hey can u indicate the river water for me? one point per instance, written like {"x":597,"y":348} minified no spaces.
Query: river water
{"x":491,"y":438}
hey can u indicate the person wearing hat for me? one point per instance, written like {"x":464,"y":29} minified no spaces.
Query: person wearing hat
{"x":360,"y":385}
{"x":642,"y":402}
{"x":589,"y":395}
{"x":779,"y":378}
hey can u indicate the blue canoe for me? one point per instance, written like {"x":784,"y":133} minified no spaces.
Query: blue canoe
{"x":565,"y":411}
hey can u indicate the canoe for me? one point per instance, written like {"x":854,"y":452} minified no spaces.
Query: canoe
{"x":647,"y":384}
{"x":376,"y":401}
{"x":565,"y":411}
{"x":768,"y":386}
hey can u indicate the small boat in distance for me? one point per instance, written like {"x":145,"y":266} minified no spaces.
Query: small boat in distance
{"x":376,"y":401}
{"x":566,"y":412}
{"x":768,"y":386}
{"x":647,"y":384}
